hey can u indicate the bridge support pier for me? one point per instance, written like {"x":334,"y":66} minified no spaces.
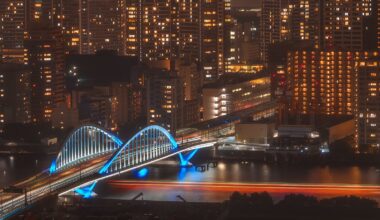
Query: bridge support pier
{"x":86,"y":192}
{"x":185,"y":159}
{"x":53,"y":167}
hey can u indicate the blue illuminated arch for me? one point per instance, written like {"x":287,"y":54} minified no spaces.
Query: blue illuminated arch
{"x":147,"y":144}
{"x":84,"y":143}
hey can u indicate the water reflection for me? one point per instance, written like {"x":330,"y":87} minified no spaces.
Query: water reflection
{"x":238,"y":173}
{"x":16,"y":168}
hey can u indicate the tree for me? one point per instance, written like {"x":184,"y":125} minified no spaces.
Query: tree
{"x":349,"y":202}
{"x":261,"y":200}
{"x":298,"y":201}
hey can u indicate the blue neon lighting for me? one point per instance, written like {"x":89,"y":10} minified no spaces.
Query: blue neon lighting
{"x":86,"y":192}
{"x":185,"y":161}
{"x":53,"y":167}
{"x":161,"y":129}
{"x":182,"y":173}
{"x":116,"y":139}
{"x":142,"y":173}
{"x":113,"y":137}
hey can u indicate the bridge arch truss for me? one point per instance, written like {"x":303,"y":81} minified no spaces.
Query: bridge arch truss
{"x":148,"y":144}
{"x":84,"y":143}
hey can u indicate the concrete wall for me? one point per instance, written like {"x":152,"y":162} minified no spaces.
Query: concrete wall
{"x":254,"y":132}
{"x":341,"y":130}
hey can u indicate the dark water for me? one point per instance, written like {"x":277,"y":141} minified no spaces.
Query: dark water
{"x":249,"y":172}
{"x":17,"y":168}
{"x":237,"y":172}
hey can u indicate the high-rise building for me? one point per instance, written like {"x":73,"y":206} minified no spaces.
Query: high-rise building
{"x":73,"y":28}
{"x":342,"y":24}
{"x":165,"y":100}
{"x":130,"y":102}
{"x":47,"y":12}
{"x":305,"y":21}
{"x":45,"y":58}
{"x":152,"y":29}
{"x":89,"y":25}
{"x":212,"y":39}
{"x":370,"y":26}
{"x":14,"y":94}
{"x":190,"y":29}
{"x":270,"y":26}
{"x":244,"y":37}
{"x":323,"y":82}
{"x":378,"y":24}
{"x":189,"y":19}
{"x":103,"y":23}
{"x":368,"y":105}
{"x":13,"y":21}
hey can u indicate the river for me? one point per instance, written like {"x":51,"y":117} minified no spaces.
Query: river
{"x":167,"y":180}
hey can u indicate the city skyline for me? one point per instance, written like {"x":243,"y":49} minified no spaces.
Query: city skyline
{"x":194,"y":95}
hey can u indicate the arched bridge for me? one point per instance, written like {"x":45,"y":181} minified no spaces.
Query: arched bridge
{"x":90,"y":154}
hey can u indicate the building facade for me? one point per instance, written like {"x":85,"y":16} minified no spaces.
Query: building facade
{"x":270,"y":26}
{"x":13,"y":21}
{"x":233,"y":93}
{"x":15,"y":88}
{"x":323,"y":82}
{"x":45,"y":57}
{"x":165,"y":99}
{"x":368,"y":105}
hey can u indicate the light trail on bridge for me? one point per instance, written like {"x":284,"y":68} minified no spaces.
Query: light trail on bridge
{"x":275,"y":189}
{"x":82,"y":162}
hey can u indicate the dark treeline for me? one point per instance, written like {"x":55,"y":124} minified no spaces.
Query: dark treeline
{"x":298,"y":206}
